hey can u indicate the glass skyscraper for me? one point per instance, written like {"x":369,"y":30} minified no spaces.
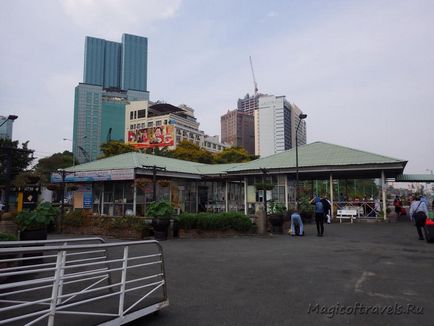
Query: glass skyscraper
{"x":119,"y":65}
{"x":114,"y":73}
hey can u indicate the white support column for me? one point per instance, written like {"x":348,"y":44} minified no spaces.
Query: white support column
{"x":383,"y":192}
{"x":245,"y":196}
{"x":197,"y":196}
{"x":226,"y":196}
{"x":286,"y":192}
{"x":331,"y":194}
{"x":102,"y":199}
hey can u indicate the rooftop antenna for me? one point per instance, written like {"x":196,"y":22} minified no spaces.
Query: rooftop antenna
{"x":255,"y":84}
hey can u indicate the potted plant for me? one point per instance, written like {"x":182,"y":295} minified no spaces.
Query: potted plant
{"x":277,"y":213}
{"x":264,"y":186}
{"x":161,"y":212}
{"x":33,"y":224}
{"x":305,"y":209}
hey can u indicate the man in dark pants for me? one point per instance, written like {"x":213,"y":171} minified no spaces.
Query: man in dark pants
{"x":418,"y":213}
{"x":319,"y":215}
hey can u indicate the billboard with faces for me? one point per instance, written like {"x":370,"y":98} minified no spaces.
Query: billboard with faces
{"x":160,"y":136}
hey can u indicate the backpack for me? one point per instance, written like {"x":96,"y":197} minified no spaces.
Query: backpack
{"x":319,"y":207}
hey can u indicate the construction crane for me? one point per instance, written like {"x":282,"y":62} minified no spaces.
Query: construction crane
{"x":85,"y":153}
{"x":255,"y":84}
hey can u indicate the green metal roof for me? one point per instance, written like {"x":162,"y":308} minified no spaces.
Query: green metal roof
{"x":310,"y":155}
{"x":317,"y":154}
{"x":138,"y":160}
{"x":216,"y":169}
{"x":415,"y":178}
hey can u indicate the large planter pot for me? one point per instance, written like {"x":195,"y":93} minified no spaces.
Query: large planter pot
{"x":161,"y":228}
{"x":36,"y":234}
{"x":276,"y":221}
{"x":306,"y":217}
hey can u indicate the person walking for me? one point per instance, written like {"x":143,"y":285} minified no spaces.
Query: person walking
{"x":319,"y":215}
{"x":327,"y":209}
{"x":398,"y":204}
{"x":418,"y":214}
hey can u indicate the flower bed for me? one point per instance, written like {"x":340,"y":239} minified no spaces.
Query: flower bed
{"x":210,"y":225}
{"x":122,"y":227}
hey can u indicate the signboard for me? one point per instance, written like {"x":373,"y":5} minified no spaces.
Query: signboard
{"x":87,"y":199}
{"x":160,"y":136}
{"x":91,"y":176}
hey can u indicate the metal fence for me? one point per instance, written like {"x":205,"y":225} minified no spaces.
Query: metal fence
{"x":75,"y":283}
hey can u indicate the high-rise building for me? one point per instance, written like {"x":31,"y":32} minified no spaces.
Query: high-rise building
{"x":6,"y":127}
{"x":275,"y":124}
{"x":117,"y":65}
{"x":114,"y":73}
{"x":248,"y":104}
{"x":237,"y":129}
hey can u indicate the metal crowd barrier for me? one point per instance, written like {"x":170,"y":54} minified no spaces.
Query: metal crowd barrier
{"x":73,"y":283}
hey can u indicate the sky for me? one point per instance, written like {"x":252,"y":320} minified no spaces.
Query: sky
{"x":363,"y":71}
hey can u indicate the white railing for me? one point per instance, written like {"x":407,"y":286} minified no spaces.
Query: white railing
{"x":111,"y":283}
{"x":362,"y":208}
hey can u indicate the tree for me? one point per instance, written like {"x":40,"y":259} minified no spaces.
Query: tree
{"x":17,"y":159}
{"x":189,"y":151}
{"x":232,"y":155}
{"x":159,"y":151}
{"x":116,"y":147}
{"x":13,"y":160}
{"x":52,"y":163}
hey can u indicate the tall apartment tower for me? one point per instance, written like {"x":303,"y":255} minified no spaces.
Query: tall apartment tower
{"x":114,"y":73}
{"x":275,"y":125}
{"x":237,"y":129}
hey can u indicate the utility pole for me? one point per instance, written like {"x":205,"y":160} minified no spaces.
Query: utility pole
{"x":154,"y":169}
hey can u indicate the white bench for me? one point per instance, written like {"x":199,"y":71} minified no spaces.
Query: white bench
{"x":347,"y":213}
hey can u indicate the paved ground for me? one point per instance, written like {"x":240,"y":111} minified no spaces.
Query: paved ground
{"x":275,"y":280}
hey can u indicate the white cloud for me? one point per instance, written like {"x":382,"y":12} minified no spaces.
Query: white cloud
{"x":109,"y":18}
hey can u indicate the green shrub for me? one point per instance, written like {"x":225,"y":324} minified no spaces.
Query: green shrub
{"x":212,"y":221}
{"x":160,"y":209}
{"x":74,"y":218}
{"x":42,"y":216}
{"x":7,"y":237}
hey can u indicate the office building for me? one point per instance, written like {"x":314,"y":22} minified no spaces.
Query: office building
{"x":275,"y":124}
{"x":151,"y":125}
{"x":237,"y":129}
{"x":114,"y":73}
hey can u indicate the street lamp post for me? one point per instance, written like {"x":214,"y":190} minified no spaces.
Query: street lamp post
{"x":72,"y":148}
{"x":301,"y":116}
{"x":10,"y":117}
{"x":8,"y":166}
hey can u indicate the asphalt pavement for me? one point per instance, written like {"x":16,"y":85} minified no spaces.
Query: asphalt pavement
{"x":357,"y":274}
